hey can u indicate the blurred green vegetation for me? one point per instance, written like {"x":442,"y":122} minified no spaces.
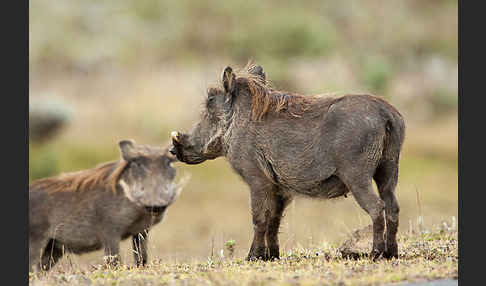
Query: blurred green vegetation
{"x":376,"y":74}
{"x":55,"y":157}
{"x":443,"y":101}
{"x":43,"y":162}
{"x":377,"y":43}
{"x":85,"y":34}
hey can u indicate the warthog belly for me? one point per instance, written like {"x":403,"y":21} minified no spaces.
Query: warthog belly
{"x":331,"y":187}
{"x":75,"y":248}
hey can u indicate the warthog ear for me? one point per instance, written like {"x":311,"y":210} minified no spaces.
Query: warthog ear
{"x":229,"y":79}
{"x":258,"y":70}
{"x":127,"y":148}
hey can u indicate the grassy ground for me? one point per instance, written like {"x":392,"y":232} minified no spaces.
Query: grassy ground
{"x":213,"y":207}
{"x":426,"y":255}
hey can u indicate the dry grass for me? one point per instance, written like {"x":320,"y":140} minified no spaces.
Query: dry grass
{"x":423,"y":256}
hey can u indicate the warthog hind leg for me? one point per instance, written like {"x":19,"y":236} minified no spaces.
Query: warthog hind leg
{"x":386,"y":178}
{"x":362,"y":190}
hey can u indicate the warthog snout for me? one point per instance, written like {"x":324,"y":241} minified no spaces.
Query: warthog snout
{"x":184,"y":149}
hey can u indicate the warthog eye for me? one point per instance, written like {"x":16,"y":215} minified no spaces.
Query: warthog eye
{"x":210,"y":99}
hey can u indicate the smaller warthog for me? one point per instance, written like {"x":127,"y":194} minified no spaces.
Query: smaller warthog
{"x":88,"y":210}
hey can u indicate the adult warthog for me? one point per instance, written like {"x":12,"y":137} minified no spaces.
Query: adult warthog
{"x":83,"y":211}
{"x":284,"y":144}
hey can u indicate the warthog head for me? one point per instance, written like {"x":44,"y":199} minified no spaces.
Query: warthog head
{"x":206,"y":139}
{"x":148,"y":178}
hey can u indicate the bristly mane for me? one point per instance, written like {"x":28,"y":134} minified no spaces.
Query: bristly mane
{"x":104,"y":176}
{"x":266,"y":99}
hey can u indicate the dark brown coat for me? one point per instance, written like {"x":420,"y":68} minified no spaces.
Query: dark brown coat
{"x":284,"y":144}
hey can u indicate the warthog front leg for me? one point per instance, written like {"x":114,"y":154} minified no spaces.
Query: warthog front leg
{"x":112,"y":251}
{"x":53,"y":252}
{"x":36,"y":248}
{"x":262,"y":205}
{"x":139,"y":243}
{"x":278,"y":206}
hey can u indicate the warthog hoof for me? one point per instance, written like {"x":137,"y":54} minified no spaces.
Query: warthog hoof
{"x":391,"y":252}
{"x":111,"y":260}
{"x":258,"y":254}
{"x":355,"y":255}
{"x":274,"y":254}
{"x":378,"y":251}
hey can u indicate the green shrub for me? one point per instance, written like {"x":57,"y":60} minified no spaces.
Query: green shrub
{"x":376,"y":74}
{"x":443,"y":101}
{"x":43,"y":162}
{"x":57,"y":157}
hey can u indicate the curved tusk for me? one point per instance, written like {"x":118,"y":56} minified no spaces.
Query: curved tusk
{"x":175,"y":136}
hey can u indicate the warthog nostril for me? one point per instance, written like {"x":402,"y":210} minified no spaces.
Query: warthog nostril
{"x":155,"y":209}
{"x":172,"y":150}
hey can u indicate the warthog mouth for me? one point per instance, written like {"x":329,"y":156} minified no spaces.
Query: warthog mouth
{"x":185,"y":156}
{"x":176,"y":189}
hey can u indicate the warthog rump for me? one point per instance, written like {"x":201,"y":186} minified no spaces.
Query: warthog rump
{"x":283,"y":144}
{"x":96,"y":208}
